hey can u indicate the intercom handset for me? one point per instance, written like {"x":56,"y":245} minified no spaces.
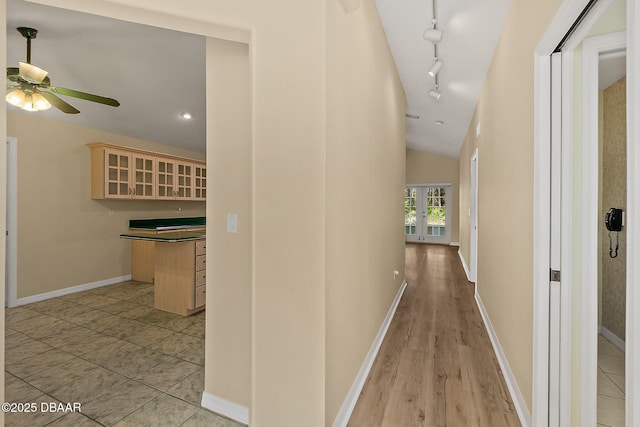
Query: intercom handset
{"x":613,"y":219}
{"x":613,"y":222}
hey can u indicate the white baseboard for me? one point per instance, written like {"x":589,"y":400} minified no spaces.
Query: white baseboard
{"x":67,"y":291}
{"x":512,"y":385}
{"x":351,"y":399}
{"x":613,"y":338}
{"x":454,"y":244}
{"x":227,"y":408}
{"x":464,"y":265}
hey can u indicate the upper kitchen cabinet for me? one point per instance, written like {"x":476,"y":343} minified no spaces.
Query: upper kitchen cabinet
{"x":174,"y":179}
{"x":127,"y":173}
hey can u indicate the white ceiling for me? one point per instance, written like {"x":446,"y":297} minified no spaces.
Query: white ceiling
{"x":157,"y":74}
{"x":611,"y":68}
{"x":154,"y":73}
{"x":471,"y":32}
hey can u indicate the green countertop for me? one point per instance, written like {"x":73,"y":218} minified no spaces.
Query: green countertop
{"x":171,"y":237}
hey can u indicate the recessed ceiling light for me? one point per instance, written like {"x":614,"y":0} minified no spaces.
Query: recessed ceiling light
{"x":186,"y":116}
{"x":439,"y":122}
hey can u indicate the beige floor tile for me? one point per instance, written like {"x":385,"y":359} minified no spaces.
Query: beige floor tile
{"x":122,"y":400}
{"x":196,"y":329}
{"x":611,"y":364}
{"x":65,"y":336}
{"x":606,"y":348}
{"x":53,"y":378}
{"x":164,"y":410}
{"x":167,"y":373}
{"x":28,"y":348}
{"x":611,"y":411}
{"x":15,"y":339}
{"x":20,"y":391}
{"x":44,"y":331}
{"x":204,"y":418}
{"x":618,"y":380}
{"x":37,"y":321}
{"x":177,"y":342}
{"x":120,"y":307}
{"x":190,"y":388}
{"x":125,"y":358}
{"x":91,"y":386}
{"x":193,"y":354}
{"x":19,"y":314}
{"x":103,"y":323}
{"x":51,"y":306}
{"x":607,"y":387}
{"x":149,"y":335}
{"x":33,"y":419}
{"x":124,"y":328}
{"x":34,"y":364}
{"x":86,"y":345}
{"x":74,"y":419}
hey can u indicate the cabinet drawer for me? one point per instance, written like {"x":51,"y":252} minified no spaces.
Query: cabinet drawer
{"x":201,"y":295}
{"x":201,"y":247}
{"x":201,"y":277}
{"x":201,"y":262}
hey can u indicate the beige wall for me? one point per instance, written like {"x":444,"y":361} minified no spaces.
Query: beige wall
{"x":228,"y":358}
{"x":64,"y":237}
{"x":505,"y":186}
{"x":429,"y":168}
{"x":614,"y":194}
{"x":365,"y":159}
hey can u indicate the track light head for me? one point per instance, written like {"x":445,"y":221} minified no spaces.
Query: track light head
{"x":435,"y":68}
{"x":435,"y":94}
{"x":434,"y":35}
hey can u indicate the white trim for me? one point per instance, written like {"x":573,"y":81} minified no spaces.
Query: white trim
{"x":11,"y":272}
{"x":464,"y":265}
{"x":454,"y":244}
{"x":227,"y":408}
{"x":473,"y":216}
{"x":541,"y":227}
{"x":70,"y":290}
{"x":591,"y":48}
{"x":632,"y":367}
{"x":518,"y":400}
{"x":613,"y":338}
{"x":351,"y":399}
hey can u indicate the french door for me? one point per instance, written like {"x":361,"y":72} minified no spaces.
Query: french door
{"x":427,"y":213}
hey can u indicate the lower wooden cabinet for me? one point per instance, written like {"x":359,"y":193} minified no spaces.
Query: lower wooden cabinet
{"x":180,"y":276}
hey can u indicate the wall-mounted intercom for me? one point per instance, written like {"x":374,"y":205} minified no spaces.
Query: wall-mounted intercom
{"x":613,"y":222}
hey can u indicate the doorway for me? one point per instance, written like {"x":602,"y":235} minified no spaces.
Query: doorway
{"x":428,"y":213}
{"x":473,"y":219}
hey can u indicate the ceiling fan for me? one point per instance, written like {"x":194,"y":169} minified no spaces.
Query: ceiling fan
{"x":32,"y":90}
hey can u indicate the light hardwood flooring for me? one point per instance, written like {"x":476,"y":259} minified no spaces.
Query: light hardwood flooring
{"x":108,"y":349}
{"x":436,"y":366}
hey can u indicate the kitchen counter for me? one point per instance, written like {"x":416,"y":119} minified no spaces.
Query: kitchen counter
{"x":167,"y":223}
{"x":170,"y":236}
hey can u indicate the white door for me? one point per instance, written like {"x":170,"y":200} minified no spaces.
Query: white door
{"x":428,"y":213}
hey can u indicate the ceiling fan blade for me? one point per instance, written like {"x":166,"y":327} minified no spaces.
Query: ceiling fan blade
{"x":59,"y":103}
{"x":86,"y":96}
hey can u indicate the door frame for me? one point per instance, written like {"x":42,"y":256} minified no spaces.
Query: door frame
{"x":564,"y":19}
{"x":11,"y":255}
{"x":473,"y":219}
{"x":591,"y":50}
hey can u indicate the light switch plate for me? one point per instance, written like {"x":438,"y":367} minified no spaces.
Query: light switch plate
{"x":232,"y":223}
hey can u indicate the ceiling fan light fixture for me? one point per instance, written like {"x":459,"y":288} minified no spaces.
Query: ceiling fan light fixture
{"x":16,"y":97}
{"x":31,"y":73}
{"x":434,"y":35}
{"x":435,"y":68}
{"x":39,"y":102}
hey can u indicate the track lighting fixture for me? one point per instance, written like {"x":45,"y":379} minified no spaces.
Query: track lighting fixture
{"x":434,"y":35}
{"x":433,"y":71}
{"x":435,"y":93}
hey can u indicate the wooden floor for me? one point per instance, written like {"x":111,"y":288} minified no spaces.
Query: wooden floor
{"x":436,"y":366}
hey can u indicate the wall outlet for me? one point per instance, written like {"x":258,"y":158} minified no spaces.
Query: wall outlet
{"x":111,"y":212}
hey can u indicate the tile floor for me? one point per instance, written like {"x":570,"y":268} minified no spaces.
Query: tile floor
{"x":610,"y":384}
{"x":127,"y":363}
